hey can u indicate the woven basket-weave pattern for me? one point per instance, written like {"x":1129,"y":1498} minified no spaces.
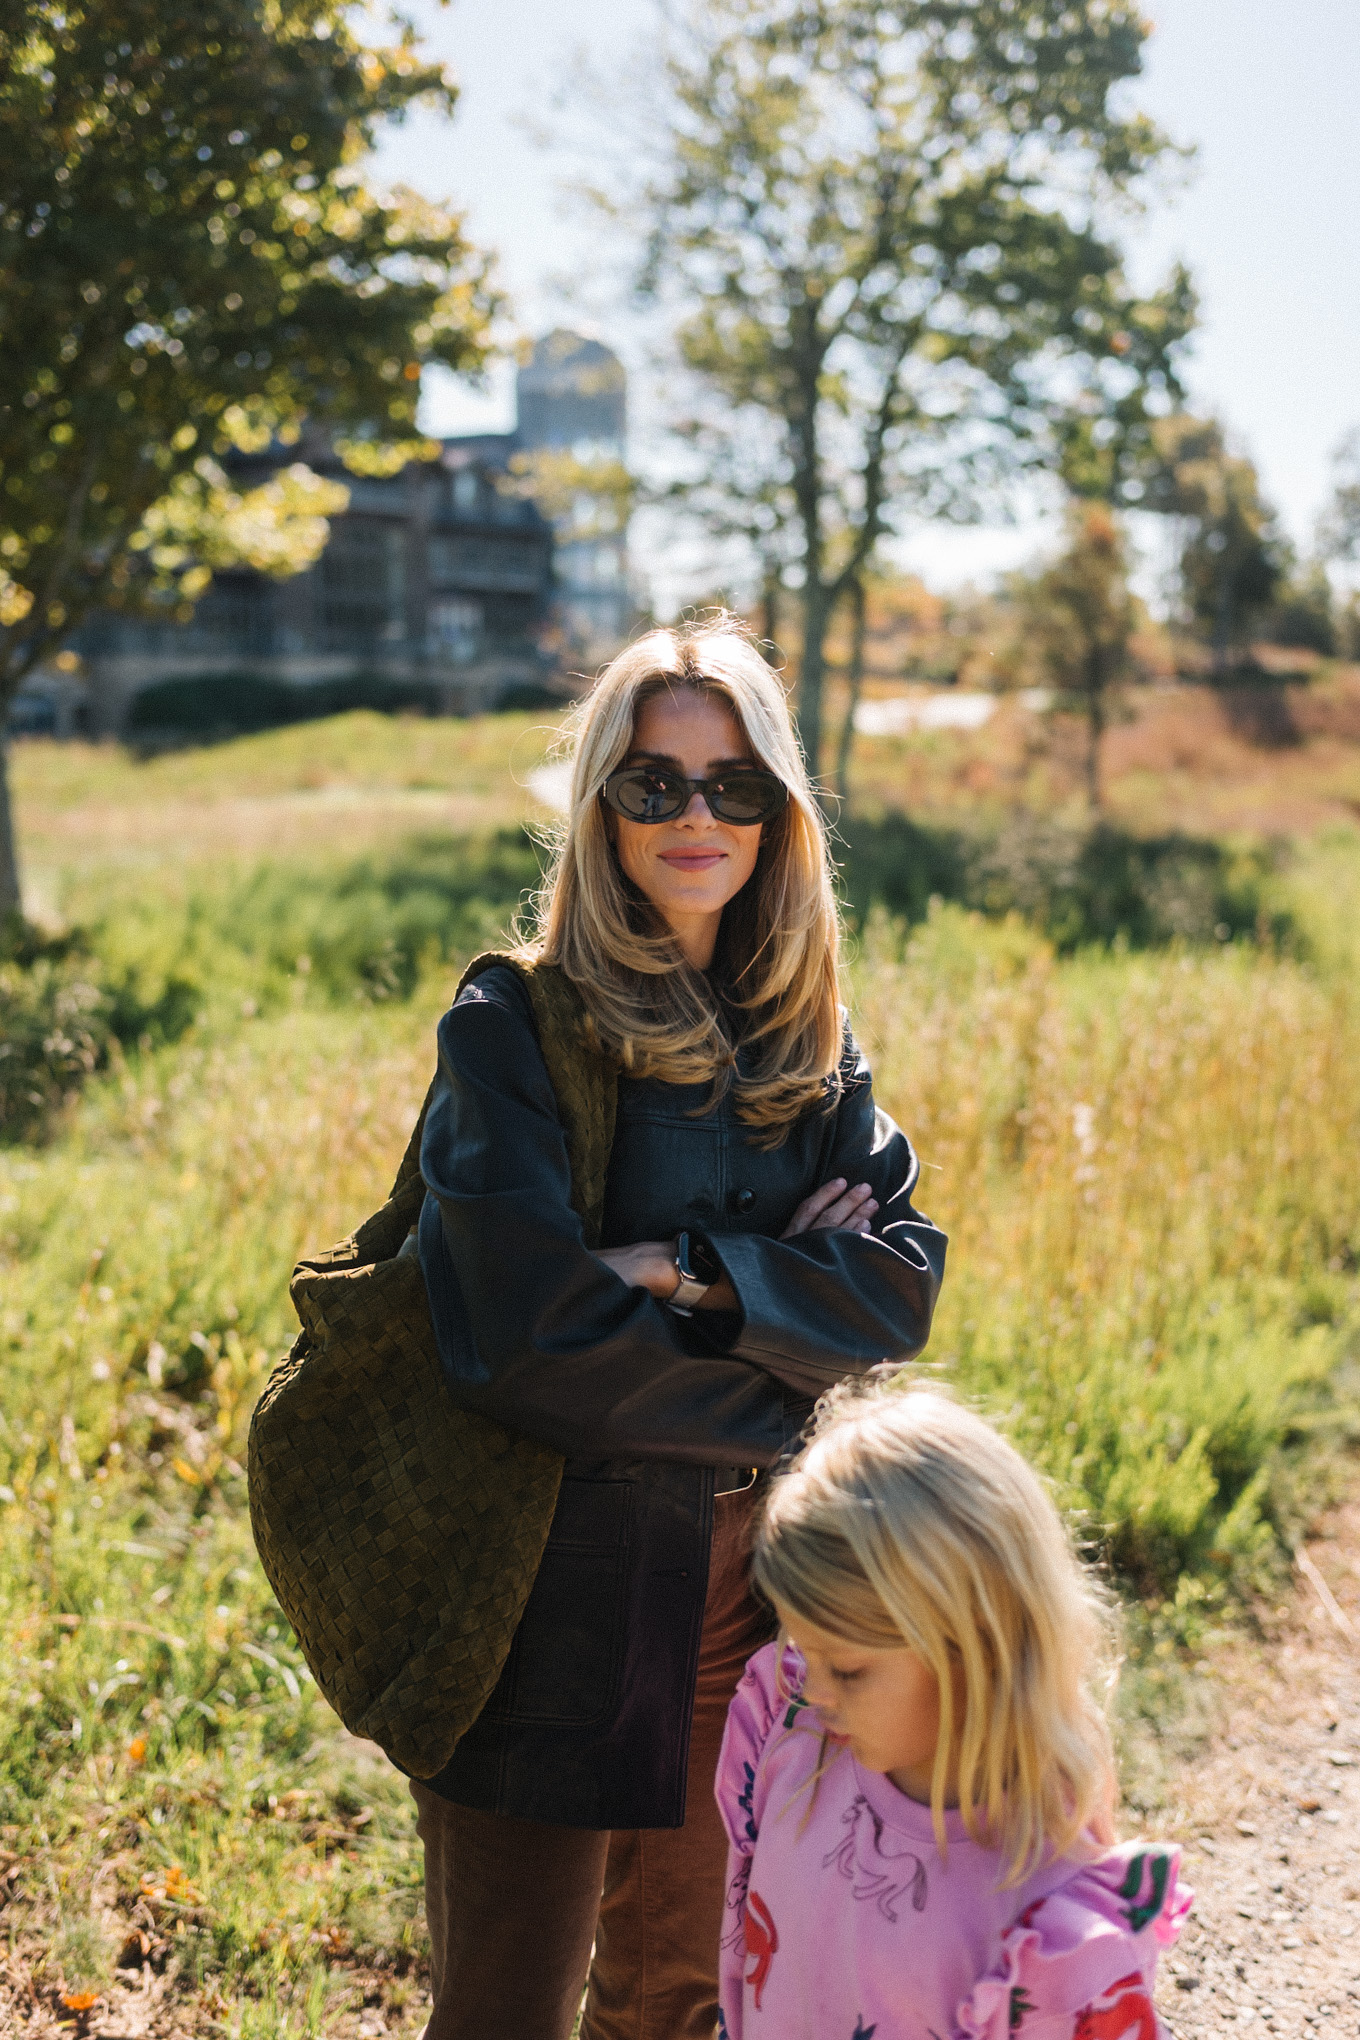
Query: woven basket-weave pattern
{"x":401,"y":1534}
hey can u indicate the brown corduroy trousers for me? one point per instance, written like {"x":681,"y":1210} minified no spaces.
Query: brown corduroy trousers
{"x":514,"y":1905}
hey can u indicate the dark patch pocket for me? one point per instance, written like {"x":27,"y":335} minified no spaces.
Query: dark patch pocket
{"x":569,"y":1646}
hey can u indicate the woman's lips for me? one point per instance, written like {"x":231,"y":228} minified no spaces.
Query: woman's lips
{"x":692,"y":860}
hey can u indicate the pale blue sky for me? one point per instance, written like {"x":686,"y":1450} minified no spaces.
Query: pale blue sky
{"x":1269,"y":221}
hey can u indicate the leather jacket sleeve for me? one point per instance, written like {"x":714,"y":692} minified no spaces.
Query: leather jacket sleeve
{"x":826,"y":1304}
{"x":538,"y":1333}
{"x":533,"y":1329}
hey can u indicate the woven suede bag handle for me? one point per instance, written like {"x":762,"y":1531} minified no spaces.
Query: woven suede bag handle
{"x":401,"y":1534}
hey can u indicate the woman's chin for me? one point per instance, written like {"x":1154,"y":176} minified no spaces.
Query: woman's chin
{"x":689,"y":899}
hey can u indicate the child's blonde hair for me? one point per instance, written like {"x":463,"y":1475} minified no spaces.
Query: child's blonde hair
{"x":909,"y":1520}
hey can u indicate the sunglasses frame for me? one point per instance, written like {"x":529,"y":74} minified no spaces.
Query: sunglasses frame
{"x":693,"y":786}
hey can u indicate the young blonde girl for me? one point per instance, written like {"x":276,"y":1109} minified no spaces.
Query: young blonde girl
{"x":917,"y":1780}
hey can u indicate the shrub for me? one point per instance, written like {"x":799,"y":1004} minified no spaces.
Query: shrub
{"x":54,"y":1031}
{"x":1076,"y":887}
{"x":212,"y":704}
{"x":63,"y":1006}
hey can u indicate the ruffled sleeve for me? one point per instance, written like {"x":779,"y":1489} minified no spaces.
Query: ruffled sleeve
{"x":751,"y":1716}
{"x":758,"y":1711}
{"x":1080,"y":1963}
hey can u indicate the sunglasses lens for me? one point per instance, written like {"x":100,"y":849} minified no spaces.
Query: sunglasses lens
{"x":649,"y":793}
{"x":747,"y":797}
{"x":646,"y":795}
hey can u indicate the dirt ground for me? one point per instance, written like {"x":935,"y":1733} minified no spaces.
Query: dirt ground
{"x":1269,"y":1815}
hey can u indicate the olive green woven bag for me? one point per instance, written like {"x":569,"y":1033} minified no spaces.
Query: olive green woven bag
{"x":400,"y":1533}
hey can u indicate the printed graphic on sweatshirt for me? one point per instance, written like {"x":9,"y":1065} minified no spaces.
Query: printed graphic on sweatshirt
{"x":884,"y":1875}
{"x":762,"y":1943}
{"x":1148,"y":1895}
{"x":1123,"y":2012}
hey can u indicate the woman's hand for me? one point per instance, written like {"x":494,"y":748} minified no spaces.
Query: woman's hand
{"x":650,"y":1265}
{"x":836,"y":1207}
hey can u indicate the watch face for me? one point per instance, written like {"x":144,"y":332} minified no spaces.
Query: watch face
{"x":704,"y":1262}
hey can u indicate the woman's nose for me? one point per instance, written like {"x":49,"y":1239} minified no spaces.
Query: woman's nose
{"x":698,"y":810}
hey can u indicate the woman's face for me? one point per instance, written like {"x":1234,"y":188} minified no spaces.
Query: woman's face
{"x":689,"y":868}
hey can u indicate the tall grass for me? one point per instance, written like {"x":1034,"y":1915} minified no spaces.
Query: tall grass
{"x":1145,"y":1166}
{"x":1145,"y":1163}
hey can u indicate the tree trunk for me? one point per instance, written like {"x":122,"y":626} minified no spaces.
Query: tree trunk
{"x":769,"y":614}
{"x":1095,"y":728}
{"x":9,"y":863}
{"x":1223,"y":624}
{"x":812,"y":677}
{"x":854,"y":681}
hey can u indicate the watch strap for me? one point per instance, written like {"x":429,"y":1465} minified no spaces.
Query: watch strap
{"x":689,"y":1288}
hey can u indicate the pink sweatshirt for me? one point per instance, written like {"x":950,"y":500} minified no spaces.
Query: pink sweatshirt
{"x":844,"y":1922}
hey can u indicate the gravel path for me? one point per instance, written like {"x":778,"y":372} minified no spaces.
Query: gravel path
{"x":1269,"y":1815}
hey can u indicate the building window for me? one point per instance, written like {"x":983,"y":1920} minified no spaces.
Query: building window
{"x":363,"y":584}
{"x":455,"y":628}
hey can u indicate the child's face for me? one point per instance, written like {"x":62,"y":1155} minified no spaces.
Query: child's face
{"x":884,"y":1703}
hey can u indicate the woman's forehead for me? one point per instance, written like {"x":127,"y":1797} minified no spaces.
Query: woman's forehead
{"x":684,"y":718}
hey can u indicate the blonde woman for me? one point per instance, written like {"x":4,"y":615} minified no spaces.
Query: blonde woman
{"x":917,"y":1780}
{"x":758,"y":1243}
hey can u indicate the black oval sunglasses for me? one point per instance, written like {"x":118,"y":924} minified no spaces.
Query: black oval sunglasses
{"x":656,"y":793}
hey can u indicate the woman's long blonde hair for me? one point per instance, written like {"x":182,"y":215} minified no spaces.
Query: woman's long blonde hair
{"x":780,"y":940}
{"x":909,"y":1520}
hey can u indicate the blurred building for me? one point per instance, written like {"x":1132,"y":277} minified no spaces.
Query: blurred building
{"x":433,"y":591}
{"x":568,"y":451}
{"x":455,"y":585}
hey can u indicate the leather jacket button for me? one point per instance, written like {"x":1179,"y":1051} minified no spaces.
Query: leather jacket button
{"x":743,"y":1201}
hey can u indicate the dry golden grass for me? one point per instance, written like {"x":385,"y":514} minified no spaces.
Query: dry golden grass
{"x":1251,"y":760}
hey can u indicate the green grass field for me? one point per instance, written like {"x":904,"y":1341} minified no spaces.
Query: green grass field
{"x":1144,"y":1158}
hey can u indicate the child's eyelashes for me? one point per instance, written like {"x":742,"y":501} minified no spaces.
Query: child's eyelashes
{"x":846,"y":1678}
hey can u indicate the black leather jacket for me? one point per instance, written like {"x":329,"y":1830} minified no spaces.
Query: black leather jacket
{"x":589,"y":1725}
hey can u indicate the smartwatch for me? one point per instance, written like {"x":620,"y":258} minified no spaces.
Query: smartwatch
{"x":698,"y":1268}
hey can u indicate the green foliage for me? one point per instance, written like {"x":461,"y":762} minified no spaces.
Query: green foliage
{"x":275,"y":938}
{"x":283,"y":933}
{"x":1303,"y":613}
{"x":190,"y":261}
{"x":1234,"y":556}
{"x":1079,"y":616}
{"x":853,"y":216}
{"x":53,"y":1035}
{"x":1139,"y":1170}
{"x":212,"y":703}
{"x":281,"y":936}
{"x":1340,"y":529}
{"x":1073,"y":887}
{"x":62,"y":1014}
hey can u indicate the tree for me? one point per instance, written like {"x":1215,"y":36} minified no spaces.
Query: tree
{"x":190,"y":262}
{"x":854,"y":681}
{"x":1080,"y":616}
{"x":588,"y":499}
{"x":1339,"y":533}
{"x":1233,"y":557}
{"x":878,"y":223}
